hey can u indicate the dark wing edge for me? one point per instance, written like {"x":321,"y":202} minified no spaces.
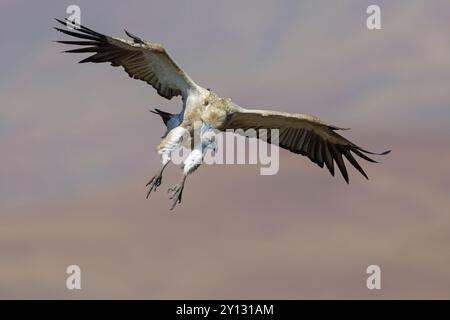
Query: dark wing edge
{"x":316,"y":140}
{"x":130,"y":55}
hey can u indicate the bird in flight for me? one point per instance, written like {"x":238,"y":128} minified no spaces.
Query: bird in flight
{"x":149,"y":62}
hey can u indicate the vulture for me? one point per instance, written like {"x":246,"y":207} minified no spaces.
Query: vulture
{"x":204,"y":112}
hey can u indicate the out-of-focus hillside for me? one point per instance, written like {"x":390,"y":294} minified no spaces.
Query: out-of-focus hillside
{"x":299,"y":234}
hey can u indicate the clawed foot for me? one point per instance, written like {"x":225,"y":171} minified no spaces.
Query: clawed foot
{"x":176,"y":193}
{"x":154,"y":183}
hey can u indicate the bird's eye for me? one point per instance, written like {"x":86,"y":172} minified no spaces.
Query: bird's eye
{"x":206,"y":102}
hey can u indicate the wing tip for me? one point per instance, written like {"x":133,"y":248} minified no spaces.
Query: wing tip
{"x":136,"y":39}
{"x":338,"y":128}
{"x":374,"y":153}
{"x":60,"y":21}
{"x":66,"y":22}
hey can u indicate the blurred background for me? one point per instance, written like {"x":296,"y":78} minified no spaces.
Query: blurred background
{"x":77,"y":148}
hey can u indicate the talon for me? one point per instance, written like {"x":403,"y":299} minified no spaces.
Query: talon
{"x":151,"y":180}
{"x":154,"y":183}
{"x":177,"y":193}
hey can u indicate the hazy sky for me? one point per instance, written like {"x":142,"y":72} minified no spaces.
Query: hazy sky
{"x":79,"y":137}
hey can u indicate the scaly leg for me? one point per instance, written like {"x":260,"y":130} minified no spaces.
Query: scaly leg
{"x":177,"y":192}
{"x":155,"y":182}
{"x":165,"y":148}
{"x":192,"y":162}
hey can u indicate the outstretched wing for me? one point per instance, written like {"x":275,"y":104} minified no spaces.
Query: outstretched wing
{"x":305,"y":135}
{"x":141,"y":59}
